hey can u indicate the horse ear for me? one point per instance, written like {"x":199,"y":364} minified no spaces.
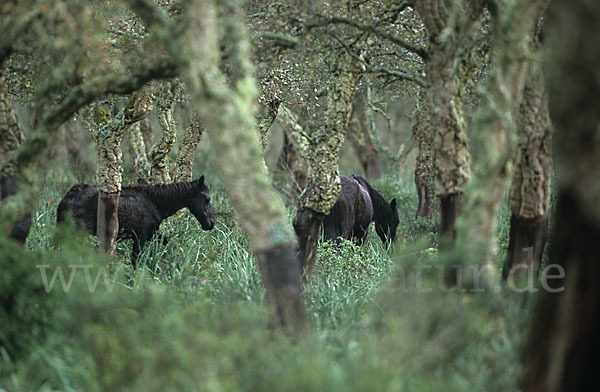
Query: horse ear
{"x":393,"y":204}
{"x":201,"y":180}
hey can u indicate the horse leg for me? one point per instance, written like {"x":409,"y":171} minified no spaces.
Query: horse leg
{"x":359,"y":234}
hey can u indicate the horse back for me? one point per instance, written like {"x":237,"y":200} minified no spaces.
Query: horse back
{"x":137,"y":212}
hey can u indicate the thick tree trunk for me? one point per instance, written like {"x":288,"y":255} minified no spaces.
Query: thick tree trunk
{"x":450,"y":208}
{"x":187,"y":150}
{"x":424,"y":176}
{"x":231,"y":125}
{"x":160,"y":151}
{"x":107,"y":138}
{"x":530,"y":188}
{"x":10,"y":140}
{"x":137,"y":154}
{"x":564,"y":343}
{"x":10,"y":133}
{"x":496,"y":121}
{"x":107,"y":227}
{"x":527,"y":238}
{"x":452,"y":161}
{"x":324,"y":185}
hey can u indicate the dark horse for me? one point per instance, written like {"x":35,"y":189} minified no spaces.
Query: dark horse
{"x":141,"y":208}
{"x":358,"y":205}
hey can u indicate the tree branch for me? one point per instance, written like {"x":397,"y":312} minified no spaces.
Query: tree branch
{"x":82,"y":95}
{"x":324,"y":21}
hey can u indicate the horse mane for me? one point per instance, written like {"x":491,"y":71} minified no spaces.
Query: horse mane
{"x":160,"y":192}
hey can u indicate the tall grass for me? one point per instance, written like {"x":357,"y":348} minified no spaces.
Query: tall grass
{"x":196,"y":318}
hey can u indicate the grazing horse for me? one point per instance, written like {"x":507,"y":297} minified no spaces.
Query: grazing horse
{"x":358,"y":205}
{"x":141,"y":208}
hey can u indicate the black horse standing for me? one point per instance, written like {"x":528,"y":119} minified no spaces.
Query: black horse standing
{"x":141,"y":208}
{"x":358,"y":205}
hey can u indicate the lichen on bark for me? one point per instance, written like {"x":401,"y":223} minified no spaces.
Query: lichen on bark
{"x":322,"y":157}
{"x":424,"y":174}
{"x":137,"y":153}
{"x":187,"y":149}
{"x":10,"y":132}
{"x":495,"y":127}
{"x":530,"y":189}
{"x":159,"y":152}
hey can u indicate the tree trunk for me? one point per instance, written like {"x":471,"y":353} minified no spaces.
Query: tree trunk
{"x":10,"y":140}
{"x":160,"y":151}
{"x":291,"y":163}
{"x":360,"y":138}
{"x":107,"y":226}
{"x":231,"y":125}
{"x":452,"y":161}
{"x":107,"y":136}
{"x":146,"y":131}
{"x":266,"y":118}
{"x":187,"y":150}
{"x":137,"y":153}
{"x":324,"y":185}
{"x":424,"y":178}
{"x":73,"y":145}
{"x":513,"y":28}
{"x":10,"y":133}
{"x":530,"y":188}
{"x":562,"y":352}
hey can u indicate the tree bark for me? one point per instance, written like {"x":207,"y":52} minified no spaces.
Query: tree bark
{"x":137,"y":153}
{"x":107,"y":226}
{"x":146,"y":131}
{"x":513,"y":28}
{"x":324,"y":185}
{"x":160,"y":151}
{"x":424,"y":176}
{"x":107,"y":135}
{"x":10,"y":132}
{"x":360,"y":138}
{"x":530,"y":189}
{"x":10,"y":140}
{"x":187,"y":150}
{"x":266,"y":118}
{"x":562,"y":352}
{"x":452,"y":161}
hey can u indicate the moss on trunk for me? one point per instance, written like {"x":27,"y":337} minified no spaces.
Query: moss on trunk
{"x":187,"y":150}
{"x":137,"y":154}
{"x":107,"y":135}
{"x":160,"y":151}
{"x":323,"y":187}
{"x":424,"y":176}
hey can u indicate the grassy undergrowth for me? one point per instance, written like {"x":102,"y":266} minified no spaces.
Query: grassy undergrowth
{"x":196,"y":319}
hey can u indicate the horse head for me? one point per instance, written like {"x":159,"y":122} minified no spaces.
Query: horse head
{"x":386,"y":228}
{"x":200,"y":207}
